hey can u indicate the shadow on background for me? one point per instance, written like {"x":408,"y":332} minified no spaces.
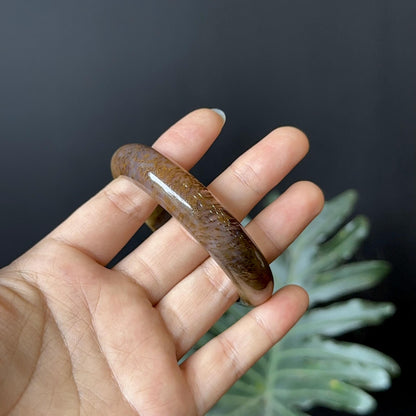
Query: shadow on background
{"x":80,"y":78}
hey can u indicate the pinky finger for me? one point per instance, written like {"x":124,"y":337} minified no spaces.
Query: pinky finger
{"x":214,"y":368}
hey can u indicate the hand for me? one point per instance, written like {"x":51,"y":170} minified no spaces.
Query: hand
{"x":79,"y":338}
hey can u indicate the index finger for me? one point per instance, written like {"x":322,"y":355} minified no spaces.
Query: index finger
{"x":105,"y":223}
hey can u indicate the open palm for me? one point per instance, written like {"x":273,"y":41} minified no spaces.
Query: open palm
{"x":77,"y":337}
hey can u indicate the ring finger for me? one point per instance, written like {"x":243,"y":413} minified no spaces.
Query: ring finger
{"x":207,"y":292}
{"x":239,"y":188}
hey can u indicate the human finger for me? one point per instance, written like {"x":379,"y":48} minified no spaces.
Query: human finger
{"x":207,"y":292}
{"x":105,"y":223}
{"x":239,"y":188}
{"x":216,"y":366}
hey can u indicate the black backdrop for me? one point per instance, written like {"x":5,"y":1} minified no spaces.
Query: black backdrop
{"x":80,"y":78}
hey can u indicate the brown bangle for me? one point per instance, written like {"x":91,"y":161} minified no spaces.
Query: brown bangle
{"x":193,"y":205}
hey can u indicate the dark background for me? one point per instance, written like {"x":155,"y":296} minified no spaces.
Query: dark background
{"x":80,"y":78}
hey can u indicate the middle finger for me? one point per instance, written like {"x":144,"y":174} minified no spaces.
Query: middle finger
{"x":207,"y":292}
{"x":170,"y":253}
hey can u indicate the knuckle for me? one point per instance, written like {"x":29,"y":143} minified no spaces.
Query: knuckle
{"x":247,"y":176}
{"x":232,"y":356}
{"x":125,"y":196}
{"x":218,"y":279}
{"x":262,"y":325}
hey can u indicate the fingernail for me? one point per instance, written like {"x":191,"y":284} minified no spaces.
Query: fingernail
{"x":220,"y":113}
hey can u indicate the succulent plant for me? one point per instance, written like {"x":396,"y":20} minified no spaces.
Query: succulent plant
{"x":309,"y":367}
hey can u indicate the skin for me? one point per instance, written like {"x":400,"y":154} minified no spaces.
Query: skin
{"x":202,"y":215}
{"x":77,"y":338}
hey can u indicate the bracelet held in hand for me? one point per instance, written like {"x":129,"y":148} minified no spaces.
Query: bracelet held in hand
{"x":193,"y":205}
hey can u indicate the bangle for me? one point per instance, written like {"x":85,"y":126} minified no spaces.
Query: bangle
{"x":193,"y":205}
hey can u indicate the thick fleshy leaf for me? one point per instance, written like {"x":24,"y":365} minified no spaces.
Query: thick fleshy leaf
{"x":306,"y":256}
{"x":333,"y":215}
{"x":342,"y":246}
{"x":270,"y":197}
{"x":306,"y":369}
{"x":342,"y":317}
{"x":280,"y":269}
{"x":355,"y":352}
{"x":256,"y":394}
{"x":319,"y":348}
{"x":240,"y":406}
{"x":299,"y":265}
{"x":329,"y":392}
{"x":367,"y":376}
{"x":346,"y":279}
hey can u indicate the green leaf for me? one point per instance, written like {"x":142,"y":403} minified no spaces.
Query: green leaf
{"x":279,"y":268}
{"x":240,"y":406}
{"x":318,"y":348}
{"x":255,"y":394}
{"x":346,"y":279}
{"x":334,"y":213}
{"x":235,"y":405}
{"x":307,"y":369}
{"x":356,"y":352}
{"x":342,"y":246}
{"x":342,"y":317}
{"x":360,"y":374}
{"x":307,"y":256}
{"x":329,"y":392}
{"x":270,"y":198}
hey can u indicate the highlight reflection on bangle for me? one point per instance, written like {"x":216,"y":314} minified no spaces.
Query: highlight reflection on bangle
{"x":193,"y":205}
